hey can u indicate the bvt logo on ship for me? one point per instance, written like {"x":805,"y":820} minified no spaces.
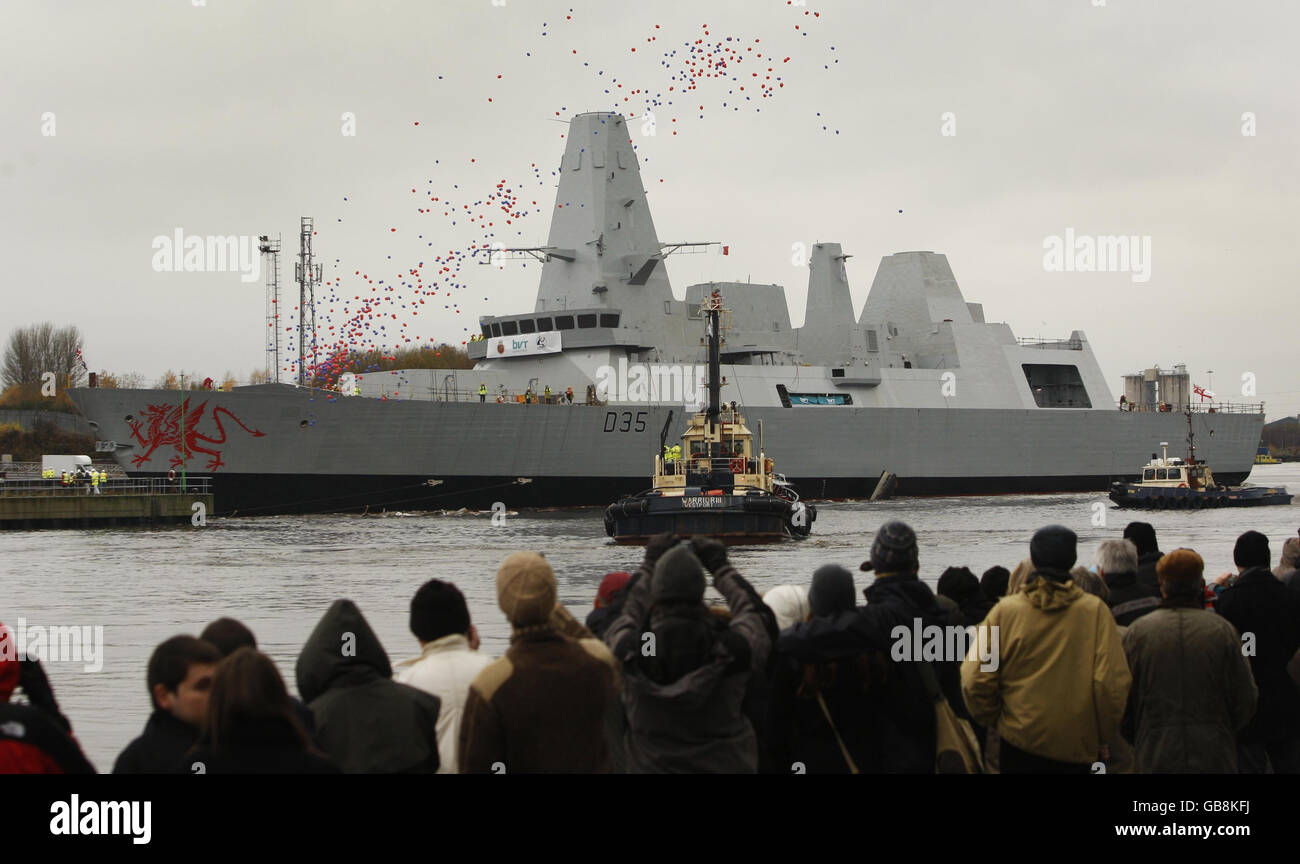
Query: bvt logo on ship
{"x":542,"y":343}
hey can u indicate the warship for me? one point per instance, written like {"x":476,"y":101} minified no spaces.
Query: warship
{"x":918,"y":385}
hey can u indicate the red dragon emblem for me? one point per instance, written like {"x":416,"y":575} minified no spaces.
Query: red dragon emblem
{"x":161,"y":427}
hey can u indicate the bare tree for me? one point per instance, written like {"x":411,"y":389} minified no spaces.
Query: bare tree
{"x":33,"y":351}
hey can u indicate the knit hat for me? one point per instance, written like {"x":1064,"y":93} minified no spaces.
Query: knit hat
{"x":958,"y":583}
{"x":678,"y":576}
{"x":831,"y":591}
{"x":1054,"y":546}
{"x":1251,"y":550}
{"x":526,"y":589}
{"x":609,"y":586}
{"x":994,"y":582}
{"x":1181,"y":572}
{"x":1142,"y":535}
{"x":789,"y":603}
{"x":894,"y":550}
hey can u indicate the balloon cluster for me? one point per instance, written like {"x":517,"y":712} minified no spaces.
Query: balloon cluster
{"x":362,"y":315}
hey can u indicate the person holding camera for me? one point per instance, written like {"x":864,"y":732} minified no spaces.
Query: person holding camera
{"x":686,"y":669}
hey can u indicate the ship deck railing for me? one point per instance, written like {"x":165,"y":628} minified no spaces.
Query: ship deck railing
{"x":506,"y":397}
{"x":702,"y":464}
{"x":1196,"y":407}
{"x":1051,"y":344}
{"x":26,"y":487}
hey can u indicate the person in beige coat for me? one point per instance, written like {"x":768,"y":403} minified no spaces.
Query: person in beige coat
{"x":1061,"y":682}
{"x":541,"y":708}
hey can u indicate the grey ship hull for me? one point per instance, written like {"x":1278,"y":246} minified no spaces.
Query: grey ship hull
{"x":352,"y":453}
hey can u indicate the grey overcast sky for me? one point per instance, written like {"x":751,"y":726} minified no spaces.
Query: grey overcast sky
{"x":1126,"y":118}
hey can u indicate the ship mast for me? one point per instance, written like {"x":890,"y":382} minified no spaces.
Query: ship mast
{"x":712,"y":332}
{"x":1191,"y":443}
{"x":712,"y":306}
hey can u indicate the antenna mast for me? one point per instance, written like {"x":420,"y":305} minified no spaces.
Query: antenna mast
{"x":270,"y":249}
{"x":308,"y":276}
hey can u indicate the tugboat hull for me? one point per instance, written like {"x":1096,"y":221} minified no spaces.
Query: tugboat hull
{"x":735,"y":518}
{"x":1135,"y":495}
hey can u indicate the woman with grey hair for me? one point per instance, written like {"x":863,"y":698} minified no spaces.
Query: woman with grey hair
{"x":1129,"y":599}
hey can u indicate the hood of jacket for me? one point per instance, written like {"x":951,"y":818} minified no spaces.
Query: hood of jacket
{"x":341,"y":651}
{"x":1050,"y":595}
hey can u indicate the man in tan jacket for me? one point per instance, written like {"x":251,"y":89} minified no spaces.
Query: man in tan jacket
{"x":540,"y":708}
{"x":1061,"y":682}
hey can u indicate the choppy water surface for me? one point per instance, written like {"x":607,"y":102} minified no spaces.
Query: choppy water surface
{"x":278,"y":575}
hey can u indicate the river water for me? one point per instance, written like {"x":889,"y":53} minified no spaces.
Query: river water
{"x":279,"y":574}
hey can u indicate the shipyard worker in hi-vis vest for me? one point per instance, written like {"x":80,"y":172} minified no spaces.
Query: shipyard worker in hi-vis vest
{"x":482,"y":392}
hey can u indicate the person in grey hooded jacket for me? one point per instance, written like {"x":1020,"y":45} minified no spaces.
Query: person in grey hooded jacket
{"x":365,"y":721}
{"x":686,"y":669}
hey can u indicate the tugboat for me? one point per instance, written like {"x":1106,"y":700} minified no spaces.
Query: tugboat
{"x":716,"y":483}
{"x":1170,"y":483}
{"x":1264,"y":456}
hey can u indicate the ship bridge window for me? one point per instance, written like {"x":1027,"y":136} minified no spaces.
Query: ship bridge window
{"x":509,"y":328}
{"x":563,"y":322}
{"x":544,"y":325}
{"x":1056,"y":385}
{"x":527,"y":325}
{"x":1161,"y":474}
{"x":699,"y":447}
{"x":496,"y":330}
{"x":608,"y":320}
{"x":487,"y":330}
{"x":1149,"y":474}
{"x":585,"y":321}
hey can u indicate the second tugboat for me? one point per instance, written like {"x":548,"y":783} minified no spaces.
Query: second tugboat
{"x":716,"y":483}
{"x":1169,"y":483}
